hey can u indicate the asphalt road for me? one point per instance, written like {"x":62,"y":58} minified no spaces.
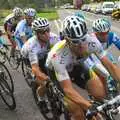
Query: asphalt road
{"x":26,"y":108}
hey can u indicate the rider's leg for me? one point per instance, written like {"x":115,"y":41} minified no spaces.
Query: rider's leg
{"x":13,"y":43}
{"x":75,"y":110}
{"x":95,"y":87}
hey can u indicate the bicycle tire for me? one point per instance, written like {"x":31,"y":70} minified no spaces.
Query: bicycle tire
{"x":26,"y":74}
{"x":57,"y":104}
{"x":4,"y":88}
{"x":15,"y":60}
{"x":2,"y":57}
{"x":9,"y":77}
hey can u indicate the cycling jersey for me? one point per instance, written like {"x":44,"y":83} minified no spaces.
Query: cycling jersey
{"x":22,"y":29}
{"x":112,"y":39}
{"x":62,"y":60}
{"x":3,"y":40}
{"x":33,"y":50}
{"x":10,"y":21}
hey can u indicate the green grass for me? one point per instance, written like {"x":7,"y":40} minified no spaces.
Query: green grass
{"x":49,"y":15}
{"x":3,"y":14}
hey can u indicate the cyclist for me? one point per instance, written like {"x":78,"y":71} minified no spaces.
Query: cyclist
{"x":36,"y":49}
{"x":101,"y":27}
{"x":10,"y":24}
{"x":23,"y":30}
{"x":67,"y":59}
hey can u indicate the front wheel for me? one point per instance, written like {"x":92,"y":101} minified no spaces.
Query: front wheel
{"x":7,"y":95}
{"x":5,"y":74}
{"x":27,"y":72}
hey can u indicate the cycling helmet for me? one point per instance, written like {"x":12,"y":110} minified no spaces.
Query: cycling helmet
{"x":30,"y":12}
{"x":40,"y":24}
{"x":74,"y":27}
{"x":79,"y":14}
{"x":17,"y":11}
{"x":101,"y":25}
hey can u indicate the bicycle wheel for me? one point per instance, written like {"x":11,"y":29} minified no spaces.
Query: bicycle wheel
{"x":5,"y":74}
{"x":14,"y":61}
{"x":7,"y":95}
{"x":2,"y":57}
{"x":56,"y":103}
{"x":27,"y":73}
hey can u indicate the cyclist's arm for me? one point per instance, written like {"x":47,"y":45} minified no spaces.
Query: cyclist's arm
{"x":9,"y":32}
{"x":112,"y":68}
{"x":66,"y":84}
{"x":35,"y":66}
{"x":38,"y":72}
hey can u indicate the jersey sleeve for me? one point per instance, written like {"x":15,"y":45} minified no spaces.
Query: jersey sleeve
{"x":116,"y":41}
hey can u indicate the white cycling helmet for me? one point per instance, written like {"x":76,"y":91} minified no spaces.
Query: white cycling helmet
{"x":101,"y":25}
{"x":17,"y":11}
{"x":40,"y":24}
{"x":30,"y":12}
{"x":74,"y":27}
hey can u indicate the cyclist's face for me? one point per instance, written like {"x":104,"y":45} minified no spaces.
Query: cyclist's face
{"x":80,"y":49}
{"x":44,"y":36}
{"x":102,"y":36}
{"x":29,"y":19}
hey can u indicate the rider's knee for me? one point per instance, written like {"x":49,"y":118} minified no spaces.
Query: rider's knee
{"x":75,"y":110}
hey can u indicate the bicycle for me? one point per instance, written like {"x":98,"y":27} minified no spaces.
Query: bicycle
{"x":14,"y":61}
{"x":53,"y":106}
{"x":5,"y":90}
{"x":7,"y":76}
{"x":108,"y":109}
{"x":27,"y":71}
{"x":4,"y":50}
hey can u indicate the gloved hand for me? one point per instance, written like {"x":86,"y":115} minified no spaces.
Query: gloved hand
{"x":92,"y":111}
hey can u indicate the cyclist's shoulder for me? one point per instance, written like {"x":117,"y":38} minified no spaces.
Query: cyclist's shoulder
{"x":21,"y":23}
{"x":93,"y":43}
{"x":91,"y":37}
{"x":59,"y":45}
{"x":113,"y":37}
{"x":31,"y":43}
{"x":57,"y":48}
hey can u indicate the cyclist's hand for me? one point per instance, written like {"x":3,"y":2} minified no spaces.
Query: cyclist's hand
{"x":92,"y":111}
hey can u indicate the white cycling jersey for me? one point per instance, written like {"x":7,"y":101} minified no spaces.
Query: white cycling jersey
{"x":62,"y":60}
{"x":35,"y":51}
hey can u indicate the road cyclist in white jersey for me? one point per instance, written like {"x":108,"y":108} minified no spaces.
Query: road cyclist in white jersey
{"x":10,"y":24}
{"x":67,"y":59}
{"x":36,"y":49}
{"x":23,"y":30}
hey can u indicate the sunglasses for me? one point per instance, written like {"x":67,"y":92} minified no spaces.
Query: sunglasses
{"x":44,"y":30}
{"x":78,"y":41}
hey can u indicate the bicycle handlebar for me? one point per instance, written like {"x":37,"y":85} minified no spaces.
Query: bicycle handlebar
{"x":111,"y":102}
